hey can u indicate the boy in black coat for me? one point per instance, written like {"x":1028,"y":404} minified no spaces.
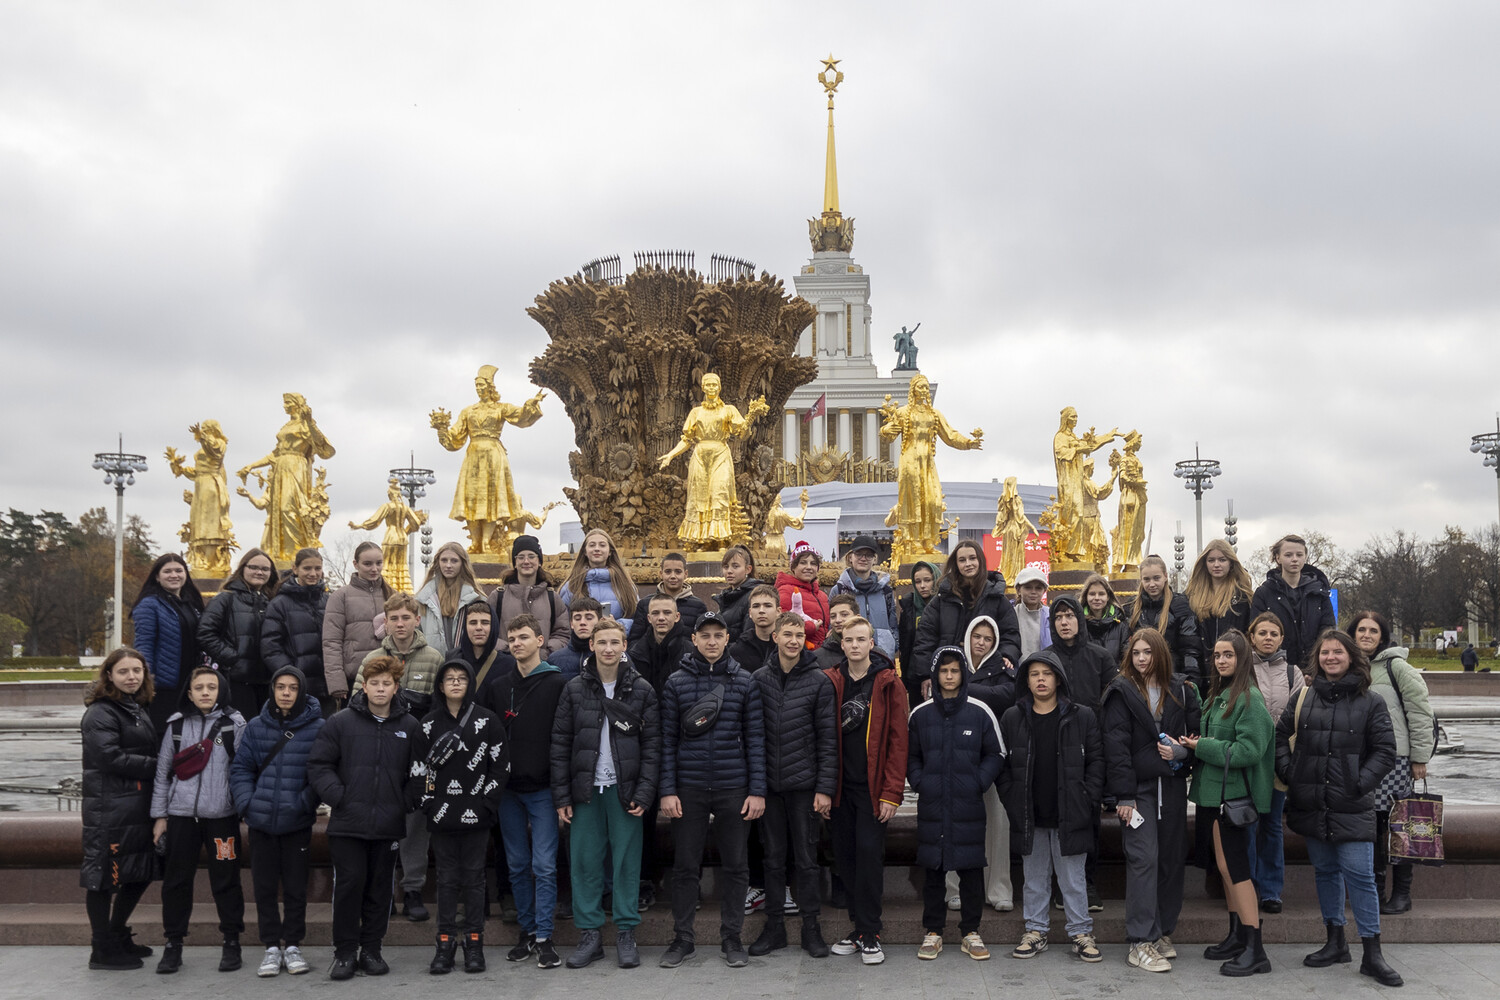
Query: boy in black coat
{"x":757,"y":646}
{"x":666,"y":641}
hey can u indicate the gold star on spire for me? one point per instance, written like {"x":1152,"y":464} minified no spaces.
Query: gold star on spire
{"x":831,"y":231}
{"x":831,"y":77}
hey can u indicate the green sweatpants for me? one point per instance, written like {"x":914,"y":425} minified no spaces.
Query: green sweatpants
{"x":603,"y":829}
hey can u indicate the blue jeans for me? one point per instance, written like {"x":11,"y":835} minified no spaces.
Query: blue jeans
{"x":1268,"y":849}
{"x":1351,"y":865}
{"x":532,"y":858}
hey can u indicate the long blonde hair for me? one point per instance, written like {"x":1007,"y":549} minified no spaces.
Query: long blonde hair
{"x":1140,"y":598}
{"x":449,"y":591}
{"x":1210,"y":598}
{"x":619,"y":580}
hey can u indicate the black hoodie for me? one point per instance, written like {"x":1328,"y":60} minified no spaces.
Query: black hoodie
{"x":463,"y":792}
{"x":526,"y":706}
{"x":1089,"y":666}
{"x":482,"y":661}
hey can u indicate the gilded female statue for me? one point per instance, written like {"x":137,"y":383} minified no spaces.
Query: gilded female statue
{"x":485,"y":496}
{"x":1070,"y":450}
{"x":919,"y":496}
{"x":710,"y":478}
{"x":1090,"y":528}
{"x":400,"y":521}
{"x":289,"y":500}
{"x":209,"y":534}
{"x":1012,"y":527}
{"x":1130,"y":530}
{"x":778,"y":519}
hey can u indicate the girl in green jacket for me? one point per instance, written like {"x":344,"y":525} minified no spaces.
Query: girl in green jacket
{"x":1235,"y":757}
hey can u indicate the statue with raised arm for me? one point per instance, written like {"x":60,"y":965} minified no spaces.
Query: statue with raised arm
{"x":1012,"y":527}
{"x":919,"y":495}
{"x":1130,"y":529}
{"x":485,"y":494}
{"x":289,"y":499}
{"x":778,"y":519}
{"x":399,"y":521}
{"x":1070,"y":451}
{"x":711,"y":492}
{"x":906,"y":348}
{"x":1095,"y":542}
{"x":208,"y":533}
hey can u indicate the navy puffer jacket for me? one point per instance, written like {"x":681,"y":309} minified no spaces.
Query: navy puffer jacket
{"x":953,"y":756}
{"x":276,"y":798}
{"x":802,"y":726}
{"x":292,"y":633}
{"x":732,"y":754}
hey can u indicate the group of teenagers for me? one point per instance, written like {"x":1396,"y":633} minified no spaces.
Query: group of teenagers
{"x":561,"y":722}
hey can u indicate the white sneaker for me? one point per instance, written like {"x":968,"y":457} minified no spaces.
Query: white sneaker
{"x":294,"y":962}
{"x":870,"y":951}
{"x":955,"y":902}
{"x":1164,"y":947}
{"x":1143,"y":955}
{"x":755,"y":899}
{"x":270,"y":965}
{"x":790,"y":906}
{"x":847,"y":945}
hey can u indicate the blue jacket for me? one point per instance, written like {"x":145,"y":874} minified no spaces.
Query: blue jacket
{"x":602,"y":590}
{"x":276,"y":798}
{"x":158,"y":636}
{"x":953,"y":756}
{"x":730,"y":755}
{"x":877,"y":605}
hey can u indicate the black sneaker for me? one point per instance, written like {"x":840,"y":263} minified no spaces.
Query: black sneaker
{"x":675,"y":955}
{"x":230,"y":958}
{"x":546,"y":955}
{"x":171,"y":958}
{"x":343,"y":967}
{"x":564,"y":910}
{"x":734,"y":953}
{"x":524,"y":949}
{"x":411,"y":901}
{"x":371,"y":964}
{"x":647,"y":898}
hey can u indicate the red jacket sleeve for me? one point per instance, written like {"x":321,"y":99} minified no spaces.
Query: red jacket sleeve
{"x":893,"y":772}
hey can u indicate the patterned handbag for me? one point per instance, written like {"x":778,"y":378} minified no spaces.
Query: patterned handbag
{"x":1417,"y":829}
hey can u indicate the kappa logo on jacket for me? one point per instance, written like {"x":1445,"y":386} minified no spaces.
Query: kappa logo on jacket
{"x":468,"y":817}
{"x":427,"y":727}
{"x":437,"y":817}
{"x":417,"y":769}
{"x":475,"y":760}
{"x":479,"y":724}
{"x":495,"y":751}
{"x":454,"y":788}
{"x":478,"y":786}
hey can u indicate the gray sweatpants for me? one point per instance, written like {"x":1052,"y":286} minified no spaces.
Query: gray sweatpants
{"x":1045,"y":858}
{"x":1155,"y":853}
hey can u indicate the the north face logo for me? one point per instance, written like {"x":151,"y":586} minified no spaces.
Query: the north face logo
{"x":224,"y":849}
{"x":468,"y":817}
{"x":454,"y":788}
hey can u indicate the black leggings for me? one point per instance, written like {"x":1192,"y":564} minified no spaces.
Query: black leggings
{"x":1235,"y":840}
{"x":96,"y":902}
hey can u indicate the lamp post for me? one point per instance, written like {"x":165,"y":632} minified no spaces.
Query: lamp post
{"x":1177,"y":549}
{"x":1197,"y":474}
{"x":413,"y":483}
{"x":1489,"y":446}
{"x":119,"y":468}
{"x":1232,"y":528}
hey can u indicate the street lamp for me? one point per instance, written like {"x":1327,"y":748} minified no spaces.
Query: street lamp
{"x":413,"y":483}
{"x":1197,"y":475}
{"x":119,"y":468}
{"x":1232,"y":528}
{"x":1489,"y":445}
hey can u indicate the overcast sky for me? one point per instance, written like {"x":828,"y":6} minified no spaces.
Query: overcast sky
{"x":1270,"y":228}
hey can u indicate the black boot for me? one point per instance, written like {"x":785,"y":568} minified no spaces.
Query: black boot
{"x":474,"y":953}
{"x":1374,"y":964}
{"x":108,"y":955}
{"x":772,"y":936}
{"x":171,"y":957}
{"x":127,"y":942}
{"x":1252,"y":957}
{"x":1335,"y":950}
{"x":812,"y":938}
{"x":229,"y":958}
{"x":442,"y":959}
{"x":1381,"y":870}
{"x":1232,"y":944}
{"x":1400,"y":901}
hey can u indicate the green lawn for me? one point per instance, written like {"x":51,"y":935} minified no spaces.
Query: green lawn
{"x":45,"y":675}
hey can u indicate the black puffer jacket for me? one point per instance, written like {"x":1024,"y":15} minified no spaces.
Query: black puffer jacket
{"x":634,"y":738}
{"x":689,"y":607}
{"x":1089,"y":667}
{"x":732,"y":754}
{"x":802,"y":731}
{"x":1109,"y":632}
{"x":734,"y":607}
{"x":1131,"y":760}
{"x":1345,"y":746}
{"x":367,"y":770}
{"x":1080,"y":766}
{"x":1181,"y":633}
{"x":292,"y":633}
{"x":953,"y":754}
{"x":1210,"y":629}
{"x":1305,"y":613}
{"x":229,"y":632}
{"x":119,"y":766}
{"x":464,"y":792}
{"x":946,"y":619}
{"x":654,"y":660}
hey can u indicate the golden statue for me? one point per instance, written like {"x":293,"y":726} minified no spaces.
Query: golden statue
{"x":503,"y":533}
{"x":919,"y":495}
{"x":208,"y":532}
{"x":778,"y":519}
{"x":1130,"y":529}
{"x":711,"y":496}
{"x":295,"y":509}
{"x":1012,"y":527}
{"x":400,"y":521}
{"x":485,"y":494}
{"x":1090,"y":530}
{"x":1070,"y":451}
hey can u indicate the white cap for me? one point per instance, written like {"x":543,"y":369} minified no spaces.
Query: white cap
{"x":1031,"y":575}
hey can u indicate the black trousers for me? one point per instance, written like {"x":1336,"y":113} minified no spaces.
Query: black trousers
{"x":186,"y":837}
{"x":102,"y":921}
{"x":364,"y":873}
{"x":460,"y":875}
{"x":859,"y":855}
{"x":278,"y":865}
{"x":789,"y":822}
{"x":650,"y":857}
{"x":689,"y":836}
{"x":935,"y":899}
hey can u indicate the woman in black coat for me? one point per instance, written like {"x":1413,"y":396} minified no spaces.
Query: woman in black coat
{"x":229,"y":631}
{"x":924,"y":577}
{"x":1155,"y":605}
{"x":292,"y":633}
{"x":1345,"y":746}
{"x":1105,"y":620}
{"x":119,"y":766}
{"x":1219,"y":594}
{"x":966,"y":591}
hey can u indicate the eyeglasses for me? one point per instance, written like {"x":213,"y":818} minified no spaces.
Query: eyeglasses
{"x":455,"y":680}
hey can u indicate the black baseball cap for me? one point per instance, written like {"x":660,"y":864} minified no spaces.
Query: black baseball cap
{"x":865,"y":542}
{"x":710,"y":618}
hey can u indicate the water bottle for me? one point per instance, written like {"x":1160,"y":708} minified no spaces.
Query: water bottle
{"x":1164,"y":741}
{"x":797,"y":605}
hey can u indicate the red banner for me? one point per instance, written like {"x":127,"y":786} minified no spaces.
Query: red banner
{"x":1036,"y":552}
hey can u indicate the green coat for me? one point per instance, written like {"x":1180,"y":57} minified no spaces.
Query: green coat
{"x":1247,"y":741}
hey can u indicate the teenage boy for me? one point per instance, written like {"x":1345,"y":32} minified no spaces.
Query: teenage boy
{"x":739,"y":580}
{"x":606,"y":759}
{"x":405,"y":643}
{"x":841,"y":610}
{"x":364,"y":765}
{"x":757,"y":644}
{"x":873,"y":591}
{"x":1031,"y":610}
{"x":801,"y":716}
{"x":269,"y":782}
{"x":872,"y":778}
{"x":673,"y":570}
{"x":1052,"y":783}
{"x":525,"y":699}
{"x":657,"y":653}
{"x":954,"y":752}
{"x":713,"y":765}
{"x":583,"y":614}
